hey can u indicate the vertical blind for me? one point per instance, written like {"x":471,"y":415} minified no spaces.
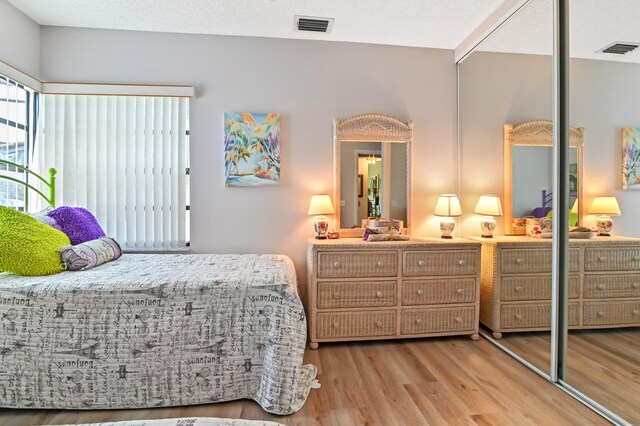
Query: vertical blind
{"x":125,"y":159}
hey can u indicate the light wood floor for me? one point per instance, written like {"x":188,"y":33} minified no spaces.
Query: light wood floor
{"x":443,"y":381}
{"x":602,"y":364}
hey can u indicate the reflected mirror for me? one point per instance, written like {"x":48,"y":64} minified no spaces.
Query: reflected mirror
{"x":528,"y":174}
{"x":372,"y":154}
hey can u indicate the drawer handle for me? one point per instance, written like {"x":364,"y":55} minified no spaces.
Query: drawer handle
{"x":635,"y":285}
{"x":378,"y":324}
{"x":459,"y":291}
{"x":420,"y":292}
{"x":380,"y":264}
{"x":602,"y":286}
{"x":335,"y":325}
{"x":518,"y":288}
{"x":336,"y":295}
{"x":461,"y":262}
{"x":336,"y":264}
{"x":379,"y":294}
{"x":458,"y":319}
{"x":519,"y":261}
{"x":518,"y":316}
{"x":418,"y":321}
{"x":635,"y":312}
{"x":602,"y":259}
{"x":421,"y":263}
{"x":601,"y":313}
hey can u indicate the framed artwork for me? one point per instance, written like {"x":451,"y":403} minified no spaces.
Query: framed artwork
{"x":251,"y":149}
{"x":360,"y":185}
{"x":630,"y":159}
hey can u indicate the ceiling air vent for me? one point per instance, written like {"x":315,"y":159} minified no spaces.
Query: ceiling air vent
{"x":310,"y":23}
{"x":620,"y":48}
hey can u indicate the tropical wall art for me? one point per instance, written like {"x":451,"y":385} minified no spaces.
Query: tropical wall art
{"x":251,"y":149}
{"x":630,"y":158}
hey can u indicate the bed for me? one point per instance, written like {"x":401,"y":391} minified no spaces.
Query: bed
{"x":156,"y":330}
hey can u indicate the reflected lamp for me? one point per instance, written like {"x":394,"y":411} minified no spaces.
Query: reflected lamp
{"x":447,"y":208}
{"x":605,"y":207}
{"x":488,"y":206}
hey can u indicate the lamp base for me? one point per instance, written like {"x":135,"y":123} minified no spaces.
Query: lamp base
{"x":447,"y":224}
{"x":487,"y":226}
{"x":604,"y":225}
{"x":321,"y":226}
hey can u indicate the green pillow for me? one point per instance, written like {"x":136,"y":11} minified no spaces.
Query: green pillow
{"x":29,"y":247}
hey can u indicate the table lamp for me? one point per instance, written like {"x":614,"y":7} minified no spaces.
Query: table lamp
{"x":489,"y":206}
{"x":447,"y":208}
{"x":605,"y":207}
{"x":319,"y":206}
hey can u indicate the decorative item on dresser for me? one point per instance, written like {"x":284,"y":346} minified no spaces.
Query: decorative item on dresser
{"x":319,"y":206}
{"x":394,"y":289}
{"x":515,"y":289}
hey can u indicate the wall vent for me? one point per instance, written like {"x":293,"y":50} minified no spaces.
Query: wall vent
{"x":620,"y":48}
{"x":311,"y":23}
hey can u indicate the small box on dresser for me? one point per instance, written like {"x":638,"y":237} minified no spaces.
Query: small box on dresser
{"x":358,"y":290}
{"x":604,"y":283}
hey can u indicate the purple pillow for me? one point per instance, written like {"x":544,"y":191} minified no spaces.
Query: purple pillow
{"x":78,"y":223}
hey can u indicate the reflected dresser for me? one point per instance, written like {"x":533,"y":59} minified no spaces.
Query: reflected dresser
{"x":604,"y":283}
{"x":359,"y":290}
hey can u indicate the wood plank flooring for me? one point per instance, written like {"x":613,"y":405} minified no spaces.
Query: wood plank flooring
{"x":602,"y":364}
{"x":441,"y":381}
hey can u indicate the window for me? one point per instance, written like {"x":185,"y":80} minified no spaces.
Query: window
{"x":125,"y":159}
{"x":17,"y":113}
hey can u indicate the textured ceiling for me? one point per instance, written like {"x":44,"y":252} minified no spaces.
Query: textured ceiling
{"x":422,"y":23}
{"x":594,"y":24}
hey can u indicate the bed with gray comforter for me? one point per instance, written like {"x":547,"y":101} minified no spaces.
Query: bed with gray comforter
{"x":155,"y":331}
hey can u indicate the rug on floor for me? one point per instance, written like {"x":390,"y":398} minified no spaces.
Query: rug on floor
{"x":185,"y":421}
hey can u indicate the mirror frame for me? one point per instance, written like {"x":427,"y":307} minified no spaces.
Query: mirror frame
{"x":535,"y":133}
{"x":369,"y":128}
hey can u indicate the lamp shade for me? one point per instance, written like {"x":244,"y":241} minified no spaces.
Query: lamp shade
{"x":489,"y":205}
{"x":574,"y":209}
{"x":448,"y":206}
{"x":320,"y":204}
{"x":605,"y":205}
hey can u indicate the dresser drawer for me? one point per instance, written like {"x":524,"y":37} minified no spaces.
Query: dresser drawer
{"x":357,"y":264}
{"x":441,"y":262}
{"x":356,"y":324}
{"x":439,"y":291}
{"x":612,"y":259}
{"x":534,"y":315}
{"x":514,"y":288}
{"x":356,"y":294}
{"x":440,"y":320}
{"x":612,"y":313}
{"x":611,"y":286}
{"x":516,"y":261}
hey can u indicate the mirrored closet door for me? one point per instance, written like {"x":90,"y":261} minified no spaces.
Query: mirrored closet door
{"x":505,"y":88}
{"x":603,"y":361}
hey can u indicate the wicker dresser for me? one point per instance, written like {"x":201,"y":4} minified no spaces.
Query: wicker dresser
{"x":604,"y":283}
{"x":361,"y":290}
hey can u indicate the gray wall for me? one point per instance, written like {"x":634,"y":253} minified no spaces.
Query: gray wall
{"x":497,"y":89}
{"x":309,"y":83}
{"x":19,"y":40}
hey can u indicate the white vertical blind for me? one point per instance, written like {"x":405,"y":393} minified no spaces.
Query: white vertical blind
{"x":124,"y":158}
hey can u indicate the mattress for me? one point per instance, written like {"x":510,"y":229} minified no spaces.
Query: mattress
{"x":154,"y":331}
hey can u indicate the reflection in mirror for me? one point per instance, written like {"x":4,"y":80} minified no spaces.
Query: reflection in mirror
{"x":504,"y":81}
{"x":528,"y":174}
{"x":372,"y":157}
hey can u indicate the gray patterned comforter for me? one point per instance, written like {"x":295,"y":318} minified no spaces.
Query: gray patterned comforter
{"x":154,"y":331}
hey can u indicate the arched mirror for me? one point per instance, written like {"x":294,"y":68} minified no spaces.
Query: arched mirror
{"x":528,"y":173}
{"x":372,"y":156}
